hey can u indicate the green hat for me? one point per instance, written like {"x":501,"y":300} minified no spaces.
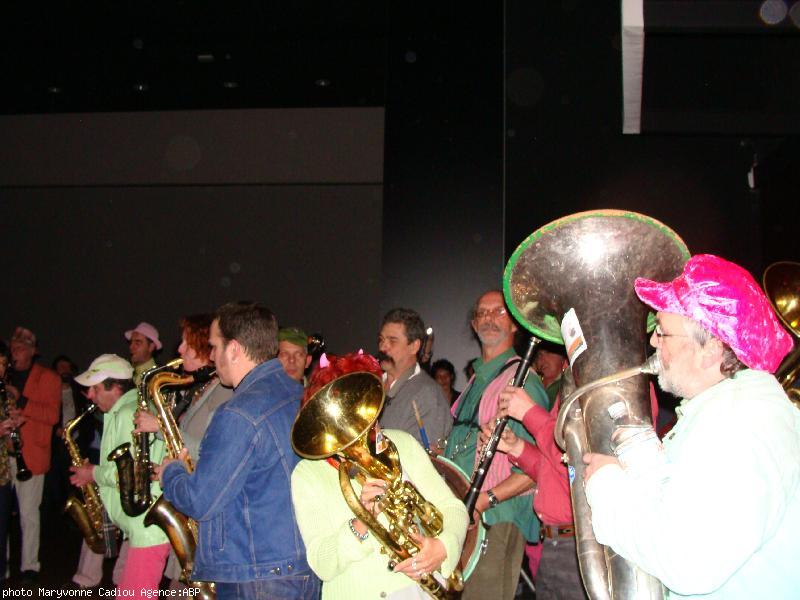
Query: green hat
{"x":294,"y":335}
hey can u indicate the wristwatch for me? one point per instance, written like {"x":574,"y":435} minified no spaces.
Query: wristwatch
{"x":493,"y":501}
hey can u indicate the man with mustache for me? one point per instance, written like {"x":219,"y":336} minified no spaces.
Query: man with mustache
{"x":505,"y":501}
{"x":720,"y":518}
{"x":409,"y":389}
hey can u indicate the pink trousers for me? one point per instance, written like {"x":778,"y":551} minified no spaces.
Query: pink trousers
{"x":143,"y":570}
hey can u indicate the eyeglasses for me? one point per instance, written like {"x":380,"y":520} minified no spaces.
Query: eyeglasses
{"x":661,"y":335}
{"x":482,"y":313}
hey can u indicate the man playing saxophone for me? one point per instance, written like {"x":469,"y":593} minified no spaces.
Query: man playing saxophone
{"x":109,"y":379}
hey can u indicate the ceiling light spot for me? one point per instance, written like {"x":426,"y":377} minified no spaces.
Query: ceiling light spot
{"x":773,"y":12}
{"x":140,"y":87}
{"x":230,"y":85}
{"x":322,"y":82}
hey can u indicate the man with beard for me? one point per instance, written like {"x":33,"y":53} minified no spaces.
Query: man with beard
{"x":414,"y":402}
{"x":731,"y":478}
{"x":505,"y":500}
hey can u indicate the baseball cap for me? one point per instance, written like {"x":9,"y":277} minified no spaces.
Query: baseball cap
{"x":22,"y":335}
{"x":293,"y":335}
{"x":105,"y":366}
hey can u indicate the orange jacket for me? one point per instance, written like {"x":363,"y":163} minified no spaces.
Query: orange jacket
{"x":43,"y":391}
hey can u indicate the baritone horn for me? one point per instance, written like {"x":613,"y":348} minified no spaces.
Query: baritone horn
{"x":575,"y":275}
{"x":781,"y":283}
{"x":338,"y":420}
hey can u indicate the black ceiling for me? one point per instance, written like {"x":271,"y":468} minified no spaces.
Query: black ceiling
{"x":112,"y":56}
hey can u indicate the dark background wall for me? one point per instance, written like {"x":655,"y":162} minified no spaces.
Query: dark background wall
{"x":154,"y":216}
{"x":566,"y":152}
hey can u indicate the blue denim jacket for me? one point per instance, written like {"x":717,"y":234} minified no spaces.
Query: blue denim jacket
{"x":240,"y":492}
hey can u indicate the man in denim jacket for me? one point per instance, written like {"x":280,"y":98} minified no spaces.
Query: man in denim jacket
{"x":240,"y":491}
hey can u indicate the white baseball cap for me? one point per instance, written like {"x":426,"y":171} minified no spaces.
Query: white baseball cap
{"x":105,"y":366}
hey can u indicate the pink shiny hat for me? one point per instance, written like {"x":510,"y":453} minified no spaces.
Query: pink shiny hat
{"x":725,"y":300}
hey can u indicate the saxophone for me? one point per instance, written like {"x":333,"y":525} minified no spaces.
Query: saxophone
{"x":180,"y":529}
{"x":133,"y":459}
{"x":87,"y":514}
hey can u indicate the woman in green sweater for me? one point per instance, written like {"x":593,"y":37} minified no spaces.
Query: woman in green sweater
{"x":340,"y":549}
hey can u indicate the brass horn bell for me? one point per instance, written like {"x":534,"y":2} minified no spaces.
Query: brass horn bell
{"x":781,"y":281}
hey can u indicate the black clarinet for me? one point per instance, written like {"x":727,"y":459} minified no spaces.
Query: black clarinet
{"x":488,"y":452}
{"x":23,"y":472}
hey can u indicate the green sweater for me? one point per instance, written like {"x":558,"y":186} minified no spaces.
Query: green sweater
{"x":349,"y":568}
{"x":117,"y":428}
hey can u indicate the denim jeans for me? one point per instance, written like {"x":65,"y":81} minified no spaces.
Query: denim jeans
{"x":297,"y":587}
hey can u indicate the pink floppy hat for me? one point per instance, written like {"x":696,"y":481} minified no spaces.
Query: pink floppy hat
{"x":726,"y":300}
{"x":148,"y":331}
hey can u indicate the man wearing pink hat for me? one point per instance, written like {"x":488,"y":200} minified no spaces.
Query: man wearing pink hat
{"x":143,"y":343}
{"x":721,"y":520}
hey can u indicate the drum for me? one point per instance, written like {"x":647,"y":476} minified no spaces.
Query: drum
{"x":475,"y":542}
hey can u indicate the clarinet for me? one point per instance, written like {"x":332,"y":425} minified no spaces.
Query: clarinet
{"x":488,"y":452}
{"x":23,"y":472}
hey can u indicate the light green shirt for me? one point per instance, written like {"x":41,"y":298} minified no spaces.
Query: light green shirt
{"x":721,"y":519}
{"x":351,"y":569}
{"x":117,"y":428}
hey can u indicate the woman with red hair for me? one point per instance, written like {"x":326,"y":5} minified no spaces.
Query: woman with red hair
{"x":195,"y":405}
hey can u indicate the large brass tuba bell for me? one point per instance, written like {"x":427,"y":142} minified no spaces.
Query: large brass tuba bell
{"x":781,"y":283}
{"x":588,"y":262}
{"x":338,"y":419}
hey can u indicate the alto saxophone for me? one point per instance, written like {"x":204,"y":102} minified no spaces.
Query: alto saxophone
{"x":180,"y":529}
{"x":88,"y":514}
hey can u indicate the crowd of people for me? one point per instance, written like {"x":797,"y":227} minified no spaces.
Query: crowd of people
{"x":273,"y":524}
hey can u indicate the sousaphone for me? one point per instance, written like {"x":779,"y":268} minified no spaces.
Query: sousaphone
{"x":583,"y":266}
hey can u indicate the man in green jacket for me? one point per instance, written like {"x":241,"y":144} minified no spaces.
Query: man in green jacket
{"x":109,"y":379}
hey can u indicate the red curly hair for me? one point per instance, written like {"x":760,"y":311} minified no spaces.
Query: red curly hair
{"x":338,"y":366}
{"x":195,"y":329}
